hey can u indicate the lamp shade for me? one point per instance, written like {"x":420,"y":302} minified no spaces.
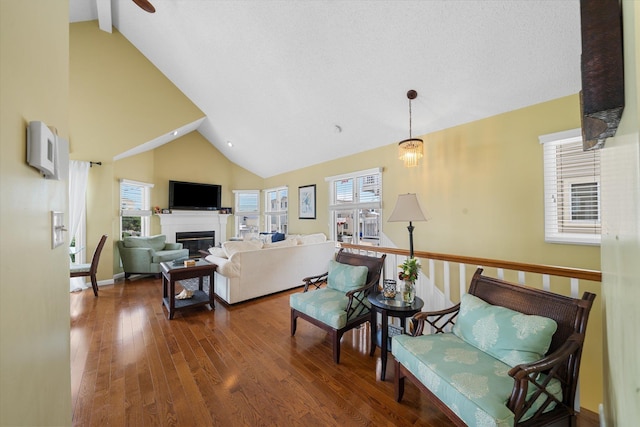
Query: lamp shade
{"x":407,"y":209}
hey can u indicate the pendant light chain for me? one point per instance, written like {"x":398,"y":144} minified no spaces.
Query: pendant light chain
{"x":410,"y":137}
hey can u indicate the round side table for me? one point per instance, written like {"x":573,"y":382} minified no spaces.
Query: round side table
{"x":388,"y":307}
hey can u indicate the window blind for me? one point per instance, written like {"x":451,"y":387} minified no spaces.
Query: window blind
{"x":571,"y":190}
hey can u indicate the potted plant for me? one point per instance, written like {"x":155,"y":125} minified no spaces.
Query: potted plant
{"x":409,"y":270}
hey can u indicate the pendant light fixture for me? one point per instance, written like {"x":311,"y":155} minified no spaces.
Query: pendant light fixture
{"x":410,"y":150}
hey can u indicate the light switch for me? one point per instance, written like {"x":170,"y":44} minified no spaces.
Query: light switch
{"x":57,"y":229}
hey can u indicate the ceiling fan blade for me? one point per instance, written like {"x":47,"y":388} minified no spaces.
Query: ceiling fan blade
{"x":145,"y":5}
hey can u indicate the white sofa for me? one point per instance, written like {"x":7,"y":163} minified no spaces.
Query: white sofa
{"x":252,"y":269}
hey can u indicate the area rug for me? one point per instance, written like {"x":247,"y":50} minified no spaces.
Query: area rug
{"x":192,"y":284}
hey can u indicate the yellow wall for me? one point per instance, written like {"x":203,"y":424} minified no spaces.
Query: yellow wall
{"x":118,"y":101}
{"x":481,"y":181}
{"x":621,"y":242}
{"x":35,"y":388}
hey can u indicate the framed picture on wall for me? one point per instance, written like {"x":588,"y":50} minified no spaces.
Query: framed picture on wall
{"x":307,"y":202}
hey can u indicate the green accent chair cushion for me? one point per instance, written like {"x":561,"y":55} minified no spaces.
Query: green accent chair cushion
{"x":475,"y":385}
{"x":345,"y":277}
{"x":327,"y":305}
{"x":508,"y":335}
{"x":154,"y":242}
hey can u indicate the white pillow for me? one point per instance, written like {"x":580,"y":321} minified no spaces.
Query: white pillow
{"x":313,"y":238}
{"x":250,"y":236}
{"x":219,"y":252}
{"x":281,"y":244}
{"x":232,"y":247}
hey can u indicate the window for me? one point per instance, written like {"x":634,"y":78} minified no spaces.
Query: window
{"x":135,"y":208}
{"x":276,"y":205}
{"x":356,"y":207}
{"x":571,"y":189}
{"x":247,"y":214}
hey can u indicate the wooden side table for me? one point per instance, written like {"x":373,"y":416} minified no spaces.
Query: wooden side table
{"x":388,"y":307}
{"x":174,"y":272}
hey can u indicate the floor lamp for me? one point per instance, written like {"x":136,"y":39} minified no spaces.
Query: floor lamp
{"x":407,"y":209}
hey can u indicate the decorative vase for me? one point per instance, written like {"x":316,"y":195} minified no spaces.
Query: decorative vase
{"x":408,"y":291}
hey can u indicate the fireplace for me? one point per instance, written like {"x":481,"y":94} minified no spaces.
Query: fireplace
{"x":184,"y":221}
{"x":196,"y":241}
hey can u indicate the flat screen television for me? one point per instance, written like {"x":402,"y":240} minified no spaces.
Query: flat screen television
{"x":194,"y":196}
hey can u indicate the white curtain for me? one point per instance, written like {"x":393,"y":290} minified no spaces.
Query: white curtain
{"x":78,"y":177}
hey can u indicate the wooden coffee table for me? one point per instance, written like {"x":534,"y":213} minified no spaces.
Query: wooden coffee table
{"x":174,"y":272}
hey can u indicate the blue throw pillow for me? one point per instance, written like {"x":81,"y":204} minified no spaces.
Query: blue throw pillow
{"x":277,"y":237}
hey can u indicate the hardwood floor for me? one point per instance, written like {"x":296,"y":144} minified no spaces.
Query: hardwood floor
{"x":235,"y":366}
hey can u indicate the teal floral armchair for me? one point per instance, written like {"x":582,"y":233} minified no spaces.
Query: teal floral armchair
{"x":336,"y":301}
{"x":143,"y":255}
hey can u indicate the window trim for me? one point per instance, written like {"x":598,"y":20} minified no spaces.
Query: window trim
{"x":144,"y":214}
{"x":240,"y":213}
{"x":550,"y":191}
{"x":356,"y":207}
{"x":267,"y":213}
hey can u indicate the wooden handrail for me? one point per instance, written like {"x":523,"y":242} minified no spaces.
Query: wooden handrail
{"x":552,"y":270}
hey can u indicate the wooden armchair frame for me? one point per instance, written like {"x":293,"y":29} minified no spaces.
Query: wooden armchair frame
{"x":562,"y":361}
{"x":357,"y":311}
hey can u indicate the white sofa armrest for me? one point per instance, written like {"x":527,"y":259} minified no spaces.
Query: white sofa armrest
{"x":225,"y":267}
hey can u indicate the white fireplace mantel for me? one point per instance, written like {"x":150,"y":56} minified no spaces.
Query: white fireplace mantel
{"x":181,"y":221}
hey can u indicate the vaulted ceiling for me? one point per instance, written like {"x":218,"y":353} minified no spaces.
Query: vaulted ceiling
{"x":295,"y":83}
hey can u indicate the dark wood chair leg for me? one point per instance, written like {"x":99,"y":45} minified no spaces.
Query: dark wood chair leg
{"x":336,"y":346}
{"x":398,"y":382}
{"x":94,"y":284}
{"x":294,"y":322}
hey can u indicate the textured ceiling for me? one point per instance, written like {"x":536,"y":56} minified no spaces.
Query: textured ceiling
{"x":275,"y":78}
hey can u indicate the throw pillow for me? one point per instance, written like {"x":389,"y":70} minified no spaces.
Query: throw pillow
{"x":280,"y":244}
{"x":266,"y":237}
{"x":345,"y":277}
{"x":313,"y":238}
{"x":232,"y":247}
{"x":219,"y":252}
{"x":294,"y":237}
{"x":508,"y":335}
{"x":154,"y":242}
{"x":277,"y":237}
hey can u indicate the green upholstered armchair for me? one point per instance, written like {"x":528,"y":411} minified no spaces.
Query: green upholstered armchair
{"x":143,"y":255}
{"x":342,"y":304}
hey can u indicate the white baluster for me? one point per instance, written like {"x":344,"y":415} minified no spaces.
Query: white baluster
{"x":447,"y":282}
